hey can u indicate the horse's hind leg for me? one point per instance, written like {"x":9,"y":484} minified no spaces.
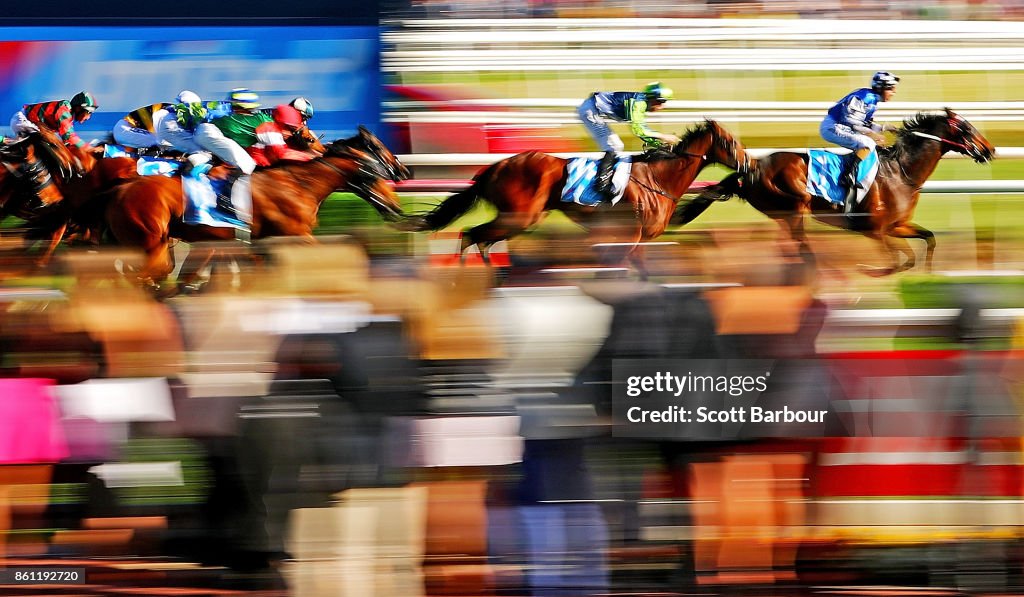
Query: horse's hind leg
{"x":501,"y":228}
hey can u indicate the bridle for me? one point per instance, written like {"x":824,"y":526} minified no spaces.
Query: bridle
{"x":361,"y":180}
{"x":956,"y":124}
{"x":730,"y":145}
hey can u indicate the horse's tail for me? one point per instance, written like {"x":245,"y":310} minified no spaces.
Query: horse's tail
{"x":452,"y":207}
{"x":688,"y":211}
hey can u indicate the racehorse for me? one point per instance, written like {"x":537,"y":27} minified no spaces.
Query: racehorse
{"x":27,"y":188}
{"x":776,"y":185}
{"x":146,"y":212}
{"x":88,"y":177}
{"x":366,"y":141}
{"x":524,"y":187}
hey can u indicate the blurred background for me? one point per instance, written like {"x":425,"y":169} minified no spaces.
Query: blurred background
{"x":369,"y":416}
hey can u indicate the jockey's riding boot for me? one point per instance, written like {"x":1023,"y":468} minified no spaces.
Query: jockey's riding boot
{"x":851,"y":184}
{"x":605,"y":171}
{"x":849,"y":179}
{"x":850,"y":200}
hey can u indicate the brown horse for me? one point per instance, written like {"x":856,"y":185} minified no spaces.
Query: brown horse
{"x":526,"y":186}
{"x":89,"y":176}
{"x":146,"y":212}
{"x":367,"y":142}
{"x":777,"y":187}
{"x":27,"y":188}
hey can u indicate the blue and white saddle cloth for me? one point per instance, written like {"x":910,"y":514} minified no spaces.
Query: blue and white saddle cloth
{"x":579,"y":181}
{"x":203,"y":198}
{"x":145,"y":166}
{"x":203,"y":195}
{"x":824,"y":169}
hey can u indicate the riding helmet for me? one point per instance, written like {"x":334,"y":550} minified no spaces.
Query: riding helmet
{"x":188,"y":97}
{"x":656,"y":93}
{"x":85,"y":101}
{"x":304,"y":106}
{"x":287,"y":116}
{"x":243,"y":98}
{"x":884,"y":80}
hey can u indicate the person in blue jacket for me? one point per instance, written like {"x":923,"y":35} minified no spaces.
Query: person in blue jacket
{"x":622,"y":106}
{"x":850,"y":124}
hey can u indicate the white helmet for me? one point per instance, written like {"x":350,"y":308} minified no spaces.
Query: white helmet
{"x":188,"y":97}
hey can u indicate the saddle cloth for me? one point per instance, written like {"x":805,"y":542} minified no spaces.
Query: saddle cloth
{"x":203,"y":199}
{"x":144,"y":165}
{"x":579,"y":182}
{"x":824,"y":169}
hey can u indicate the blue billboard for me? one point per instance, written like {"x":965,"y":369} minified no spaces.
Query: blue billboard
{"x":336,"y":67}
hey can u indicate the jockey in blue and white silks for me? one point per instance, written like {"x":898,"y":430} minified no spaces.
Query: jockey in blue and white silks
{"x":850,"y":124}
{"x":622,"y":106}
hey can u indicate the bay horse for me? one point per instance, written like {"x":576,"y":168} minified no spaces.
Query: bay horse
{"x":524,"y":187}
{"x":90,"y":224}
{"x":367,"y":142}
{"x":146,"y":212}
{"x":27,"y":187}
{"x":776,"y":186}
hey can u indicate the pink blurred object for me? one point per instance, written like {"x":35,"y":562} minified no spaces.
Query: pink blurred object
{"x":30,"y":429}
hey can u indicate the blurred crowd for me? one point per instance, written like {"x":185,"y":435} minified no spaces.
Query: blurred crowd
{"x":330,"y":420}
{"x":843,"y":9}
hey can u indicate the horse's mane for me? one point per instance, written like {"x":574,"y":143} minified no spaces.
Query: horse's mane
{"x":905,"y":137}
{"x":666,"y":153}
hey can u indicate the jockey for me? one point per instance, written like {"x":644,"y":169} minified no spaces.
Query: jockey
{"x":622,"y":106}
{"x":849,"y":123}
{"x":138,"y":128}
{"x":260,"y":134}
{"x":211,"y":137}
{"x":303,"y":105}
{"x":270,"y":146}
{"x":58,"y":115}
{"x":178,"y":128}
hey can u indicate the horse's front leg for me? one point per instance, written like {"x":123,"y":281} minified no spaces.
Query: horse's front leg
{"x":897,"y":246}
{"x":891,"y":252}
{"x":792,"y":227}
{"x":912,"y":230}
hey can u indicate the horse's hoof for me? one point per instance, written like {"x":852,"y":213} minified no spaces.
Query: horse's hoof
{"x":164,"y":291}
{"x":874,"y":271}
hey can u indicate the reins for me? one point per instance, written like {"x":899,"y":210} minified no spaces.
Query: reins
{"x":654,"y":175}
{"x":940,"y":139}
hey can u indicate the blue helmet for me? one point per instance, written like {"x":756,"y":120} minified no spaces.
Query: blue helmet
{"x":884,"y":80}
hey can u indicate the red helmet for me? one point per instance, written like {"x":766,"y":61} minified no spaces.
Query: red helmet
{"x":287,"y":116}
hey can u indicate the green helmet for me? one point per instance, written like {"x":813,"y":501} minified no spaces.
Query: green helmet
{"x":656,"y":93}
{"x":85,"y":101}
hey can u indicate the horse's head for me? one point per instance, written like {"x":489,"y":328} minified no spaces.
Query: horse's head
{"x":966,"y":139}
{"x":952,"y":132}
{"x":304,"y":139}
{"x":59,"y":156}
{"x":30,"y":180}
{"x":715,"y":144}
{"x":368,"y":142}
{"x":368,"y":178}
